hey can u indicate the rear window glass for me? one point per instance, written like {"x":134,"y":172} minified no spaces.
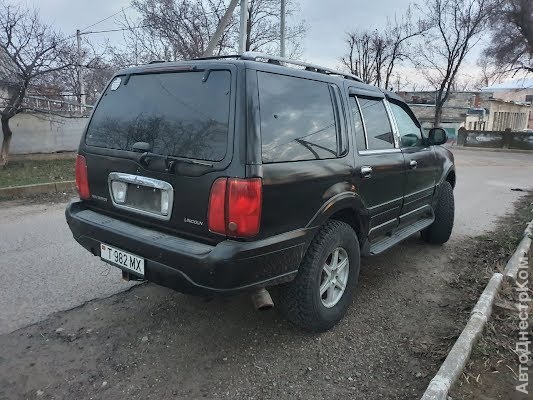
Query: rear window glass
{"x":176,"y":113}
{"x":297,"y":119}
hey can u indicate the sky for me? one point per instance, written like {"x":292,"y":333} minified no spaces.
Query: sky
{"x":327,"y":21}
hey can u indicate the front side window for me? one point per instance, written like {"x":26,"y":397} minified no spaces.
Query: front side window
{"x":410,"y":134}
{"x":297,"y":119}
{"x":378,"y":128}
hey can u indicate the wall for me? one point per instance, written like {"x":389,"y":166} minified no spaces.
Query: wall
{"x":495,"y":139}
{"x":41,"y":133}
{"x":467,"y":108}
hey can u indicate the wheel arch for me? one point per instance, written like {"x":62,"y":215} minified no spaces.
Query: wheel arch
{"x":450,"y":177}
{"x":347,"y":207}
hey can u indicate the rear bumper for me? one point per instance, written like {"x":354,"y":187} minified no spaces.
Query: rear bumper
{"x":189,"y":266}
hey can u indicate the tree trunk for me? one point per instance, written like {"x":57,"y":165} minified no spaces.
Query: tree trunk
{"x":438,"y":115}
{"x":6,"y":142}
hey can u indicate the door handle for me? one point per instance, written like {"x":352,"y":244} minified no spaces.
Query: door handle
{"x":413,"y":164}
{"x":366,"y":172}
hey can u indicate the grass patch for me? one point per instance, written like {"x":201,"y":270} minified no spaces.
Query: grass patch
{"x":29,"y":172}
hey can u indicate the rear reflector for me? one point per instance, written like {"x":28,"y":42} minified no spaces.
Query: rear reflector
{"x":82,"y":180}
{"x":235,"y":207}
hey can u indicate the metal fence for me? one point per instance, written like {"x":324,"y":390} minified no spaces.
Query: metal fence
{"x":61,"y":107}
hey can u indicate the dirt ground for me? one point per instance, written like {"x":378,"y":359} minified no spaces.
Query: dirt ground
{"x":153,"y":343}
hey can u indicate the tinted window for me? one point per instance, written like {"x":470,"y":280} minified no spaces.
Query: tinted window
{"x":410,"y":134}
{"x":358,"y":124}
{"x":378,"y":128}
{"x":177,"y":113}
{"x":297,"y":120}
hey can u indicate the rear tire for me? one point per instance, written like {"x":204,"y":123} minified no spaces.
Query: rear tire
{"x":441,"y":229}
{"x":315,"y":300}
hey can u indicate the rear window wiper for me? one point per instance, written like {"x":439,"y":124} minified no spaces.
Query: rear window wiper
{"x":171,"y":163}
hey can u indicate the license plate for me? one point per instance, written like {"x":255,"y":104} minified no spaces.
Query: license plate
{"x":122,"y":258}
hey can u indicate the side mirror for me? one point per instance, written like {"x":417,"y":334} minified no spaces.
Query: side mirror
{"x":437,"y":136}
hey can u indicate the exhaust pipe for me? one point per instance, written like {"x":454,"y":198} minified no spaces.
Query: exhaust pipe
{"x":262,"y":300}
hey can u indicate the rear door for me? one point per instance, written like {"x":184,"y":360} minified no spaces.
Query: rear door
{"x":381,"y":171}
{"x":186,"y":114}
{"x":420,"y":165}
{"x":304,"y":149}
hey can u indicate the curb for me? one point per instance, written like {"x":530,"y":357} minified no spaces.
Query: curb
{"x":512,"y":266}
{"x":453,"y":365}
{"x":39,"y":188}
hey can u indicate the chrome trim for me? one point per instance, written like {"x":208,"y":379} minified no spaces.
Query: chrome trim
{"x":394,"y":124}
{"x":415,"y":211}
{"x":366,"y":172}
{"x":142,"y":181}
{"x":364,"y":125}
{"x":380,"y":151}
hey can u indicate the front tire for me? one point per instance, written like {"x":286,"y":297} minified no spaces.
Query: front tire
{"x":324,"y":288}
{"x":440,"y":230}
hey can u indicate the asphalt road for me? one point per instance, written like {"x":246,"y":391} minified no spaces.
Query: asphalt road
{"x":43,"y":270}
{"x":153,"y":343}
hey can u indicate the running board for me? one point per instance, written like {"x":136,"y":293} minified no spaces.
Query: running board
{"x":387,"y":242}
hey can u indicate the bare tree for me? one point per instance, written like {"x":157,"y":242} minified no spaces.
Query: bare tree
{"x":374,"y":54}
{"x":399,"y":35}
{"x":511,"y":45}
{"x":29,"y":49}
{"x":360,"y":59}
{"x":457,"y":25}
{"x":172,"y":30}
{"x":95,"y":67}
{"x":183,"y":29}
{"x":263,"y":29}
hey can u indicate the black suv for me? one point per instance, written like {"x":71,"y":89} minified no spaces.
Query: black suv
{"x":230,"y":174}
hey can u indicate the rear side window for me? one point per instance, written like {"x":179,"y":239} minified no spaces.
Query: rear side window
{"x":378,"y":128}
{"x":177,"y":113}
{"x":297,"y":119}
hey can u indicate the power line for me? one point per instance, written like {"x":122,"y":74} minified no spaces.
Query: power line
{"x":115,"y":30}
{"x":106,"y":18}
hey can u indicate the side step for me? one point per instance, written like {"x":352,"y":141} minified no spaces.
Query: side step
{"x":388,"y":241}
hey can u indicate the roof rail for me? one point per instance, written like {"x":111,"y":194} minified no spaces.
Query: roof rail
{"x":254,"y":56}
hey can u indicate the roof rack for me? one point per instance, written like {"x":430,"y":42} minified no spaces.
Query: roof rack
{"x":255,"y":56}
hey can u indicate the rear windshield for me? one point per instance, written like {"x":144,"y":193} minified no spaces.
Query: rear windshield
{"x":179,"y":114}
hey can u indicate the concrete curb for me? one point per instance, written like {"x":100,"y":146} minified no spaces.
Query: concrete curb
{"x":453,"y":365}
{"x":512,"y":266}
{"x":40,"y":188}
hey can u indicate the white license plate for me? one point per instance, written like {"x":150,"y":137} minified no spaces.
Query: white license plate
{"x":122,"y":258}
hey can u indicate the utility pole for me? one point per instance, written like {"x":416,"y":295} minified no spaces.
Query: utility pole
{"x":242,"y":30}
{"x":79,"y":71}
{"x":220,"y":29}
{"x":282,"y":29}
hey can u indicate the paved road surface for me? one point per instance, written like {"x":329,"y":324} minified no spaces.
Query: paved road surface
{"x":155,"y":343}
{"x":43,"y":270}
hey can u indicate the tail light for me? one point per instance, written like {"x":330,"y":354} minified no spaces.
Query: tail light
{"x":82,"y":180}
{"x":235,"y":207}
